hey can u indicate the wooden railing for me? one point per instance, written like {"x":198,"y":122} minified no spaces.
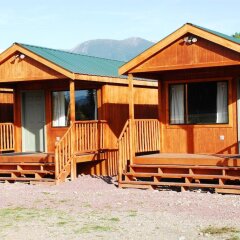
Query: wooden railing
{"x":138,"y":136}
{"x":147,"y":135}
{"x":64,"y":152}
{"x":81,"y":137}
{"x":7,"y":141}
{"x":123,"y":150}
{"x":89,"y":136}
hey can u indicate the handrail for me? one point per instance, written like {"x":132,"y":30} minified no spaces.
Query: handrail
{"x":7,"y":137}
{"x":145,"y":135}
{"x":81,"y":137}
{"x":64,"y":151}
{"x":124,"y":150}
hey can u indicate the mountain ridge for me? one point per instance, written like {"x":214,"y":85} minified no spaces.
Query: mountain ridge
{"x":121,"y":50}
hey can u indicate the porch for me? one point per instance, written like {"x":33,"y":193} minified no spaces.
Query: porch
{"x":84,"y":141}
{"x":141,"y":165}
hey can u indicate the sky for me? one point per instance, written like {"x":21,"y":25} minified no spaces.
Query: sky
{"x":63,"y":24}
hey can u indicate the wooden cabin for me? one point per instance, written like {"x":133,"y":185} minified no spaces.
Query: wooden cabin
{"x":197,"y":136}
{"x":69,"y":111}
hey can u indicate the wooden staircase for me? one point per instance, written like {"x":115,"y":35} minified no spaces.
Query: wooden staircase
{"x":142,"y":166}
{"x":222,"y":178}
{"x":29,"y":168}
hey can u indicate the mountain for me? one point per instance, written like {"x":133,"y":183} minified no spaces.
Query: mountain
{"x":123,"y":50}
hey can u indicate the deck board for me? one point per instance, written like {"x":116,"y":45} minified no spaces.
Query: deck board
{"x":27,"y":158}
{"x":189,"y":159}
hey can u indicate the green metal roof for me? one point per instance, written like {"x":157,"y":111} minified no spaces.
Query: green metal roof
{"x":230,"y":38}
{"x":77,"y":63}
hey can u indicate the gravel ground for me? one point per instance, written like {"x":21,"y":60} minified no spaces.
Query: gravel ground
{"x":94,"y":208}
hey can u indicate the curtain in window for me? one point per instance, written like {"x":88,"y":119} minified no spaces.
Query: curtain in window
{"x":222,"y":102}
{"x":59,"y":116}
{"x":177,"y":104}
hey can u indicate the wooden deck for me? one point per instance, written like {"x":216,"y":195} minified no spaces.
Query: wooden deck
{"x":189,"y":159}
{"x":38,"y":167}
{"x":28,"y":157}
{"x":219,"y":172}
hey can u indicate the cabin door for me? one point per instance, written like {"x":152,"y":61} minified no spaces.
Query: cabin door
{"x":33,"y":121}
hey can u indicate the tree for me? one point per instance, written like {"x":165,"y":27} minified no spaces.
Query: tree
{"x":236,"y":35}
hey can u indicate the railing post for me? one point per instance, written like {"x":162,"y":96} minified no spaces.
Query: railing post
{"x":72,"y":146}
{"x":120,"y":160}
{"x":131,"y":140}
{"x":56,"y":159}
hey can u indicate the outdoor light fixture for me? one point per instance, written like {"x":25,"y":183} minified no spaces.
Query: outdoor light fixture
{"x":190,"y":39}
{"x":21,"y":56}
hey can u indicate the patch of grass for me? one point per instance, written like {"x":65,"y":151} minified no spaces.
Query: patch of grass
{"x":233,"y":238}
{"x":46,"y":193}
{"x":87,"y":205}
{"x":132,"y":213}
{"x":62,"y":223}
{"x":114,"y":219}
{"x":64,"y":201}
{"x":219,"y":230}
{"x":93,"y":228}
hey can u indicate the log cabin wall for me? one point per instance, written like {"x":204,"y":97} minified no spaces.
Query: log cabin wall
{"x":6,"y":105}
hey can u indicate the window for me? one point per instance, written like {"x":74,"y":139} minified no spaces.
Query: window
{"x":199,"y":103}
{"x":85,"y":106}
{"x":61,"y":108}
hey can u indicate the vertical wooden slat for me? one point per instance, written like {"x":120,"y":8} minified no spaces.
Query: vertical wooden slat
{"x":147,"y":134}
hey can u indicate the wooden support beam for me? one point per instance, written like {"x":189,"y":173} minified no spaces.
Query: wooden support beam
{"x":72,"y":101}
{"x":131,"y":117}
{"x":72,"y":121}
{"x":131,"y":96}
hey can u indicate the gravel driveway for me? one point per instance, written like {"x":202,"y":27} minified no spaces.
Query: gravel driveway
{"x":94,"y":208}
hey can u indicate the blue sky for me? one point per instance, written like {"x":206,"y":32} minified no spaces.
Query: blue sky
{"x":63,"y":24}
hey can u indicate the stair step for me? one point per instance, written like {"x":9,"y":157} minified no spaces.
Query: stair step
{"x":26,"y":171}
{"x":27,"y":179}
{"x":194,"y":185}
{"x":26,"y":164}
{"x":179,"y":175}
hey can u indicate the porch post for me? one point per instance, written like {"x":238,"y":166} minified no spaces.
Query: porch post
{"x":72,"y":101}
{"x":72,"y":120}
{"x":131,"y":117}
{"x":159,"y":115}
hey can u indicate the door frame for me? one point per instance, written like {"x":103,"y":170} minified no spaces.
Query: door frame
{"x":44,"y":116}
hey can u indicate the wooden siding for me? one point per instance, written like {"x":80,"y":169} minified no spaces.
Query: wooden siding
{"x":180,"y":55}
{"x":198,"y":138}
{"x":15,"y":69}
{"x":115,"y":105}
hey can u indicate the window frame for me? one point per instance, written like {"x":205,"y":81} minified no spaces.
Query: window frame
{"x":199,"y":125}
{"x":67,"y":90}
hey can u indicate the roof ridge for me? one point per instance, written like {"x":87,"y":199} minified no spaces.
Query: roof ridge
{"x":59,"y":50}
{"x":217,"y":33}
